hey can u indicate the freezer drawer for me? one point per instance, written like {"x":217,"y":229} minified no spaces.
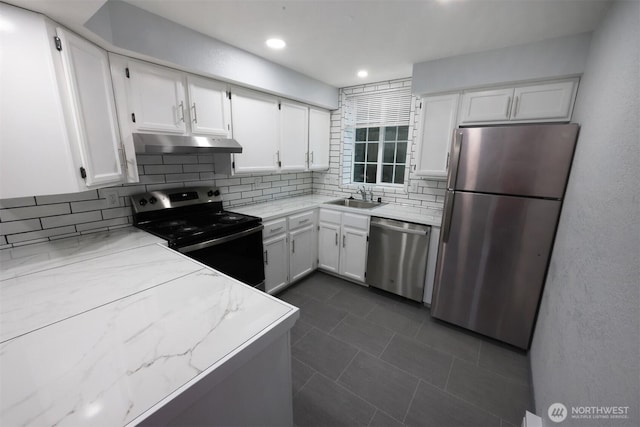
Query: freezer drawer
{"x":494,"y":252}
{"x":397,"y":257}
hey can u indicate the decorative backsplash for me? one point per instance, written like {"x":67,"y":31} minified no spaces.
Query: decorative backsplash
{"x":36,"y":219}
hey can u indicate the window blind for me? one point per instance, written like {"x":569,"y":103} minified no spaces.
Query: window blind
{"x":383,"y":108}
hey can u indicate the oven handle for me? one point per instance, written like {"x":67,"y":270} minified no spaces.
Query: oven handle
{"x":220,"y":240}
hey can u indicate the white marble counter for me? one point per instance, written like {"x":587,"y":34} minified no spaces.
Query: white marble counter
{"x":108,"y":338}
{"x":282,"y":207}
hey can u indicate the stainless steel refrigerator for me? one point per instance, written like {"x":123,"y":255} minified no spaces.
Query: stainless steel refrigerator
{"x":504,"y":193}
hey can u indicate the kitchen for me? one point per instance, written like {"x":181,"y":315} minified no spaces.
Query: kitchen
{"x":588,"y":316}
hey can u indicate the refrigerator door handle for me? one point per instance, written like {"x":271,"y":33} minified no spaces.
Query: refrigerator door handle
{"x":448,"y":212}
{"x":455,"y":158}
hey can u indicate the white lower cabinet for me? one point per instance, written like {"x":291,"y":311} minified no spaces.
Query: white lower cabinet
{"x":290,"y":249}
{"x":275,"y":262}
{"x":342,"y":246}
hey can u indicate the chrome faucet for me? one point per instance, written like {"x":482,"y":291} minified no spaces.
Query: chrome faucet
{"x":371,"y":193}
{"x":363,"y":192}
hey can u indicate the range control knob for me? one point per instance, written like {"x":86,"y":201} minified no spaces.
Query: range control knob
{"x":216,"y":193}
{"x":143,"y":202}
{"x":210,"y":193}
{"x":153,"y":200}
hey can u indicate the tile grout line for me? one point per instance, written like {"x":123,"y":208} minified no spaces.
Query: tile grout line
{"x":346,"y":367}
{"x":306,"y":382}
{"x":413,"y":396}
{"x":446,"y":383}
{"x":474,"y":405}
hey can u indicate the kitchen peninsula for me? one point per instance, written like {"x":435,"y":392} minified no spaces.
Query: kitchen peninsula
{"x":116,"y":329}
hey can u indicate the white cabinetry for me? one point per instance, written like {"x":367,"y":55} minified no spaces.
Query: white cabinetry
{"x":209,"y":107}
{"x":54,"y":85}
{"x":294,"y":136}
{"x":546,"y":102}
{"x":319,"y":139}
{"x":290,"y":249}
{"x":342,"y":243}
{"x":255,"y":118}
{"x":437,"y":122}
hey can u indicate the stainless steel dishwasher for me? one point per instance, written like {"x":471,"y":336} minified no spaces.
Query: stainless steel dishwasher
{"x":397,"y":259}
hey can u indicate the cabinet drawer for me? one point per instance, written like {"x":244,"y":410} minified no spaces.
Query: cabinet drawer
{"x":271,"y":228}
{"x":355,"y":221}
{"x":301,"y":219}
{"x":327,"y":215}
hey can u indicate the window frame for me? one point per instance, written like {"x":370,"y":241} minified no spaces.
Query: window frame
{"x":380,"y":163}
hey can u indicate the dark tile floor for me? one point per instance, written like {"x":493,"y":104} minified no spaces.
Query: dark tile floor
{"x":368,"y":358}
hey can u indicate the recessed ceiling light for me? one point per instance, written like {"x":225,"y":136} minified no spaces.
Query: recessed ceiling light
{"x":363,"y":73}
{"x":276,"y":43}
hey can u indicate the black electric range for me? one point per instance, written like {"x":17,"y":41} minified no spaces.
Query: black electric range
{"x":193,"y":222}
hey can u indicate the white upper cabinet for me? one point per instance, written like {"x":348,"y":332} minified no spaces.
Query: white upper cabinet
{"x":87,"y":72}
{"x":486,"y":106}
{"x":209,"y":107}
{"x":437,"y":122}
{"x":52,"y":92}
{"x":255,"y":122}
{"x":157,"y":98}
{"x":319,"y":139}
{"x":294,"y":136}
{"x":545,"y":102}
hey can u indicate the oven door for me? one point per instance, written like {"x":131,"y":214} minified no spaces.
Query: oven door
{"x":238,"y":255}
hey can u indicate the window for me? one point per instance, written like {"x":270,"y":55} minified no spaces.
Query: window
{"x":380,"y":154}
{"x":376,"y":137}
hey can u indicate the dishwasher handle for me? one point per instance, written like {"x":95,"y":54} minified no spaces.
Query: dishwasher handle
{"x":400,"y":229}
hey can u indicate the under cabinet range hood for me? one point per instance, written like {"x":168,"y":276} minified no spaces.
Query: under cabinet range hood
{"x":151,"y":143}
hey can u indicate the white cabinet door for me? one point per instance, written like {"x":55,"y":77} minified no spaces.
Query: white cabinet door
{"x":303,"y":255}
{"x":486,"y":106}
{"x":438,"y":120}
{"x":547,"y":102}
{"x":276,"y":264}
{"x":353,"y":253}
{"x":96,"y":131}
{"x":255,"y":126}
{"x":157,"y":98}
{"x":329,"y":247}
{"x":209,"y":107}
{"x":294,"y":136}
{"x":319,"y":139}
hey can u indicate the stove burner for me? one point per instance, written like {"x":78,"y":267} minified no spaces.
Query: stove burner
{"x":188,"y":229}
{"x":230,"y":219}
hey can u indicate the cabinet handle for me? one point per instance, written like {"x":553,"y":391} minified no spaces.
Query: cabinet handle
{"x":344,"y":243}
{"x":293,"y":246}
{"x":312,"y":157}
{"x":303,"y":221}
{"x":306,"y":157}
{"x":515,"y":107}
{"x":336,"y":239}
{"x":266,"y":257}
{"x":273,"y":230}
{"x":182,"y":111}
{"x":195,"y":113}
{"x":278,"y":157}
{"x":508,"y":107}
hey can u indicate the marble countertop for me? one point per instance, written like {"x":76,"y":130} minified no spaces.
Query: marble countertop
{"x":282,"y":207}
{"x":102,"y":329}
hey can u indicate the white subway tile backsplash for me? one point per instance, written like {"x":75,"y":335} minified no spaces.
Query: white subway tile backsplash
{"x":62,"y":198}
{"x":181,"y":177}
{"x":19,"y":226}
{"x":151,"y":179}
{"x":40,"y":234}
{"x":116,"y":212}
{"x":17,"y":202}
{"x":17,"y":214}
{"x":160,"y":169}
{"x":71,"y":219}
{"x":88,"y":205}
{"x":101,"y":224}
{"x":174,"y":159}
{"x":146,"y":159}
{"x":202,"y":167}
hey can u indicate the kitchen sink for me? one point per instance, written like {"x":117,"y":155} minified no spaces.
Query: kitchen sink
{"x":354,"y":203}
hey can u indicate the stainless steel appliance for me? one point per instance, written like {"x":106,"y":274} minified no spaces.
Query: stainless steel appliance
{"x":503,"y":200}
{"x":397,"y":257}
{"x":194,"y":223}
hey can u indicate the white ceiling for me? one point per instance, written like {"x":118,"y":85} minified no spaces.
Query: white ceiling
{"x":332,"y":40}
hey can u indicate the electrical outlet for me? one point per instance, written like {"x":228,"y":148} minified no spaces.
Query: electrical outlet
{"x":113,"y":199}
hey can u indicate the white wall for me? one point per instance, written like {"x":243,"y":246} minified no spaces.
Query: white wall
{"x":586,"y":348}
{"x":553,"y":58}
{"x":139,"y":32}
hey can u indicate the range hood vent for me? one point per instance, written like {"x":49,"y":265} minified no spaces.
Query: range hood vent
{"x":151,"y":143}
